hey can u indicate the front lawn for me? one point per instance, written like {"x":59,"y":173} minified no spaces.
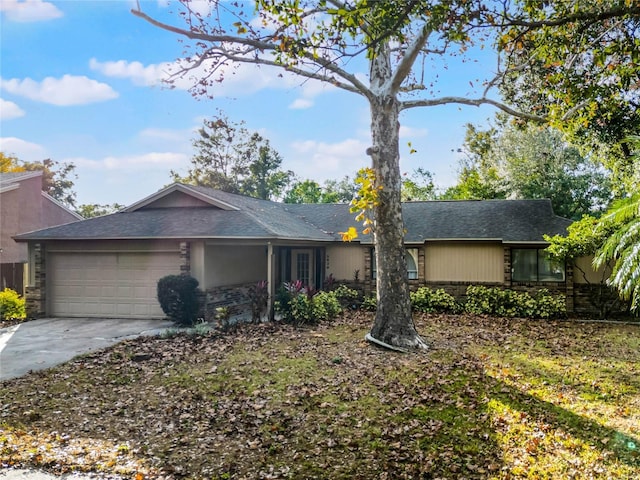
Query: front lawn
{"x":492,"y":399}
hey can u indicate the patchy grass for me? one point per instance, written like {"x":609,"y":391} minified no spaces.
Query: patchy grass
{"x":493,"y":399}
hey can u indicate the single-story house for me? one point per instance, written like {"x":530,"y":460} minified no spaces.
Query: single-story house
{"x":109,"y":266}
{"x":24,"y":207}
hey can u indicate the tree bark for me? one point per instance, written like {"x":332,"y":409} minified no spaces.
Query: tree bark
{"x":393,"y":324}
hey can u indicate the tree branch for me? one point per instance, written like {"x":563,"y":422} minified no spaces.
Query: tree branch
{"x":474,"y":102}
{"x":576,"y":17}
{"x":406,"y":64}
{"x":352,"y":83}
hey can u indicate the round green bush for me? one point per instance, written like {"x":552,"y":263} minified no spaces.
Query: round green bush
{"x":178,"y":297}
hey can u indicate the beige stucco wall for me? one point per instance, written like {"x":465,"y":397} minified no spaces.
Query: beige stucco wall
{"x":344,"y":259}
{"x":231,"y":265}
{"x":592,"y":276}
{"x":464,"y":262}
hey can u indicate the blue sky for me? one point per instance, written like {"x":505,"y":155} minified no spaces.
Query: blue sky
{"x":81,"y":82}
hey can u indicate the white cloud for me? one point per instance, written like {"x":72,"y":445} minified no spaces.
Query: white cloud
{"x":146,"y":161}
{"x":301,"y":104}
{"x":310,"y":90}
{"x":201,"y":7}
{"x":65,"y":91}
{"x":22,"y":149}
{"x":29,"y":10}
{"x":135,"y":71}
{"x":238,"y":80}
{"x":322,"y":161}
{"x":410,"y":132}
{"x":9,"y":110}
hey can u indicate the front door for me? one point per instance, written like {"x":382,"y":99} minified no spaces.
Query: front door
{"x":302,"y":266}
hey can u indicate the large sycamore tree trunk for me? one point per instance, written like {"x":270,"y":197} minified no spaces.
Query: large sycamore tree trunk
{"x":393,"y":324}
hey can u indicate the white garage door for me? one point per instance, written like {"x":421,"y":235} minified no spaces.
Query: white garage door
{"x":108,"y":285}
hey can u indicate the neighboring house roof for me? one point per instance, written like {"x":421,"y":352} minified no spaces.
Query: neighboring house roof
{"x":11,"y":180}
{"x":227,"y":215}
{"x":10,"y":177}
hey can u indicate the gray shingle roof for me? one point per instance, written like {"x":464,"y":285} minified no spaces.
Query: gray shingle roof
{"x":505,"y":220}
{"x":7,"y":178}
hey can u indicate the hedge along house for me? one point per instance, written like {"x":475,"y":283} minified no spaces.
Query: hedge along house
{"x":109,"y":266}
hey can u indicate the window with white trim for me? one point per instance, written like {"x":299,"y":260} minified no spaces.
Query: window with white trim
{"x":411,"y":258}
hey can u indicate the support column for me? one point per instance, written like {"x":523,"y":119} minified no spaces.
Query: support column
{"x":366,"y":277}
{"x":507,"y":266}
{"x":185,"y":258}
{"x":36,"y":297}
{"x":422,"y":273}
{"x":569,"y":287}
{"x":271,"y":281}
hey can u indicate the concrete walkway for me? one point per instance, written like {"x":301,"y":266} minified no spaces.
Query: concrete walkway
{"x":44,"y":343}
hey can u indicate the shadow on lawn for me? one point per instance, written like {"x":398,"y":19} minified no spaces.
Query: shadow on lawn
{"x":607,"y":440}
{"x":547,"y":419}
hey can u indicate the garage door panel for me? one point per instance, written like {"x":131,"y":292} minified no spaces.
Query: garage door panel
{"x":119,"y":284}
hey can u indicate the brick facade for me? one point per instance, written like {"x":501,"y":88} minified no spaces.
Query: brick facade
{"x":589,"y":300}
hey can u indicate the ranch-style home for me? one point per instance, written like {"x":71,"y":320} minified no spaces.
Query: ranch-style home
{"x":109,"y":266}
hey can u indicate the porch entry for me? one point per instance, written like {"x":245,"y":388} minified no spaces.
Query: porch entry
{"x":303,"y":264}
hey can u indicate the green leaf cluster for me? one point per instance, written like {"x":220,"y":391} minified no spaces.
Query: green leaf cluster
{"x":230,"y":158}
{"x":584,"y":237}
{"x":578,"y":65}
{"x":622,"y":247}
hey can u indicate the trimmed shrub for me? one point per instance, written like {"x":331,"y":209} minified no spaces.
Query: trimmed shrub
{"x":305,"y":307}
{"x":509,"y":303}
{"x":426,"y":300}
{"x":12,"y":305}
{"x":369,"y":303}
{"x":550,"y":306}
{"x":325,"y":306}
{"x":178,"y":297}
{"x":348,"y":297}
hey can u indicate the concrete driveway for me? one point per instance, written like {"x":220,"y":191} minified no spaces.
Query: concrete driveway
{"x":44,"y":343}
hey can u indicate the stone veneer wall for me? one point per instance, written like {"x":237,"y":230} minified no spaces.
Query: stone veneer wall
{"x":588,"y":297}
{"x":36,"y":301}
{"x":235,"y":297}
